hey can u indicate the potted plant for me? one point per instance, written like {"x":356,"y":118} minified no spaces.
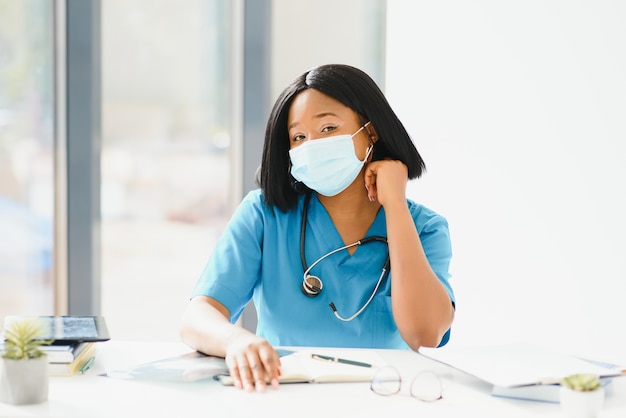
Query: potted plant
{"x":581,"y":396}
{"x":24,"y":366}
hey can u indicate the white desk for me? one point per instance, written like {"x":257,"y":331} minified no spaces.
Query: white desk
{"x":91,"y":395}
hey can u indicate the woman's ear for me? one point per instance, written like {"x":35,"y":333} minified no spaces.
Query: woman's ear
{"x":371,"y":133}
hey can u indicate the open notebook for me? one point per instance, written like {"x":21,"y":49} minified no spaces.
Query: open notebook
{"x":303,"y":366}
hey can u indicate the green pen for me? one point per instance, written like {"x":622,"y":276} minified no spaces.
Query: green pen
{"x":87,"y":365}
{"x":339,"y":360}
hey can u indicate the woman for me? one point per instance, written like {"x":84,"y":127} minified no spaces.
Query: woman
{"x":336,"y":161}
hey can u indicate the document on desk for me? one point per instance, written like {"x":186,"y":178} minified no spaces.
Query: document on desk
{"x":515,"y":364}
{"x":325,"y":366}
{"x":188,"y":367}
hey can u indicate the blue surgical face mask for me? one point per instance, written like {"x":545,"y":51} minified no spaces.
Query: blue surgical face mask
{"x":327,"y":165}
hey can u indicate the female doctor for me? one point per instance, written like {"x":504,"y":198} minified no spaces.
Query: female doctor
{"x":329,"y":248}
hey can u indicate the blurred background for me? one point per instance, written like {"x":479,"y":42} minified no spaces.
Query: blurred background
{"x":168,"y":145}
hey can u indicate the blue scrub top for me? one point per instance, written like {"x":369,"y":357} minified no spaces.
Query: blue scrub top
{"x":258,"y":256}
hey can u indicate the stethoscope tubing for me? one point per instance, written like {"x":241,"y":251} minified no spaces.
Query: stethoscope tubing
{"x":307,"y":269}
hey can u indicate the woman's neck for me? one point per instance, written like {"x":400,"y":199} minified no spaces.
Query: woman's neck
{"x":351,"y":212}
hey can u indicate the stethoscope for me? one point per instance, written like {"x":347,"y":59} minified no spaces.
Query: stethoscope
{"x":312,"y":285}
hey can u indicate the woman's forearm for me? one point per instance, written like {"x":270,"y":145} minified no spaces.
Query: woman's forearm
{"x":421,"y":306}
{"x":206,"y":328}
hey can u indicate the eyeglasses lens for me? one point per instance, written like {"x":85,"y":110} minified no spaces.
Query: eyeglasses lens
{"x":386,"y":382}
{"x":426,"y":387}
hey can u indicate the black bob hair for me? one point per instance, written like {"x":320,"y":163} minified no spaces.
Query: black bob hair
{"x":354,"y":89}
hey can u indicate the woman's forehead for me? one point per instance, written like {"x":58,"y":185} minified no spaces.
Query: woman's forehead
{"x":311,"y":104}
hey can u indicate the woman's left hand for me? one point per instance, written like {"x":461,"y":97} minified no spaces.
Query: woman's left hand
{"x":386,"y":180}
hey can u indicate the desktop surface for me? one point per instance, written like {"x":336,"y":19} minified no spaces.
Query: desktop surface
{"x":92,"y":395}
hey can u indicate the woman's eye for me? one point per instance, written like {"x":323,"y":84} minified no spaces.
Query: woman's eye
{"x":326,"y":129}
{"x":298,"y":138}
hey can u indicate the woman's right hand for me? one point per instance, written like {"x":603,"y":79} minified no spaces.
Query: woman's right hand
{"x":252,"y":362}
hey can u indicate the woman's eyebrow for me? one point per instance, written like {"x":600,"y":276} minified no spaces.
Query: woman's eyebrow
{"x":318,"y":116}
{"x":324,"y":114}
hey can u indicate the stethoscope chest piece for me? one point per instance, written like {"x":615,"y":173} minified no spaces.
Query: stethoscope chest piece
{"x":311,"y":286}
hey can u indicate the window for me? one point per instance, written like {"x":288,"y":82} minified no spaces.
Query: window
{"x":165,"y":157}
{"x":26,"y":158}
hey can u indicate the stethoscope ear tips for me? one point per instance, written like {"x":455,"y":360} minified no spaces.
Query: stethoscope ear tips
{"x":312,"y":286}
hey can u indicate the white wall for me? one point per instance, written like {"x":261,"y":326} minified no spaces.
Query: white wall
{"x":309,"y":33}
{"x":519,"y":109}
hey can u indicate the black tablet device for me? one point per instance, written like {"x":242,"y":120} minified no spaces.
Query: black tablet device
{"x":72,"y":328}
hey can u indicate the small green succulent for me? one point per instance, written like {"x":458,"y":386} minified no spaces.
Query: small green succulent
{"x":581,"y":382}
{"x":21,"y":339}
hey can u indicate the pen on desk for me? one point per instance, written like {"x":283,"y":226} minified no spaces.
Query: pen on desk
{"x":87,"y":365}
{"x":339,"y":360}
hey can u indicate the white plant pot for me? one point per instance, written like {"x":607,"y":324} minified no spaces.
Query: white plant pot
{"x":576,"y":404}
{"x":24,"y":381}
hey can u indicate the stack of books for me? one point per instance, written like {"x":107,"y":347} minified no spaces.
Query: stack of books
{"x":74,"y":341}
{"x":69,"y":358}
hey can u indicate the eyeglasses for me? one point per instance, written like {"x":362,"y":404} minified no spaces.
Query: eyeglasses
{"x":426,"y":386}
